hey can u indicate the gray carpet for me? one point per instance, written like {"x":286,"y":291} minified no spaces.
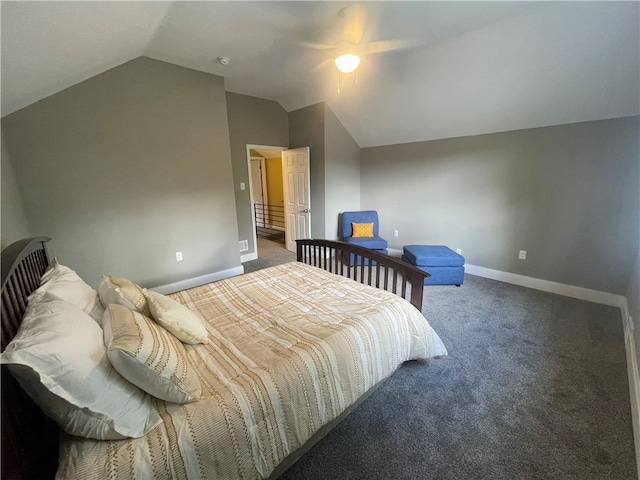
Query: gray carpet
{"x":534,"y":387}
{"x":270,"y":253}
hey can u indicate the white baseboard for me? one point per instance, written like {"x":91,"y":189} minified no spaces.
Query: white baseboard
{"x":197,"y":281}
{"x":247,"y":257}
{"x":580,"y":293}
{"x":634,"y":393}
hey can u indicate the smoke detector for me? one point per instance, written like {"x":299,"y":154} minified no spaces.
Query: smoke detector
{"x":224,"y":60}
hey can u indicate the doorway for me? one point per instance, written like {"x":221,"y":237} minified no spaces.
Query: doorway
{"x":266,"y":198}
{"x":280,"y":196}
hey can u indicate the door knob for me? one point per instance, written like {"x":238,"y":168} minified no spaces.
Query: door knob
{"x":306,"y":210}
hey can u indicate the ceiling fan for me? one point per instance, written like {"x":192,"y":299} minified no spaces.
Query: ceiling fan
{"x":353,"y":47}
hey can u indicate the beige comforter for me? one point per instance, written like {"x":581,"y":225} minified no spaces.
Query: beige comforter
{"x":290,"y":348}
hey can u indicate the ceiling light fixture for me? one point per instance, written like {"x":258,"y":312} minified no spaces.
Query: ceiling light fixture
{"x":347,"y":62}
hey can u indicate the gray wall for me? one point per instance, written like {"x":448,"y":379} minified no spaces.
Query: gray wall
{"x":334,"y":165}
{"x":127,"y":168}
{"x":14,"y":221}
{"x":342,"y":173}
{"x":568,"y":195}
{"x":633,"y":300}
{"x":253,"y":121}
{"x":306,"y":129}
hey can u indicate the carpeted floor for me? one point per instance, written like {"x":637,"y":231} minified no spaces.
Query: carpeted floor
{"x":534,"y":387}
{"x":270,"y":253}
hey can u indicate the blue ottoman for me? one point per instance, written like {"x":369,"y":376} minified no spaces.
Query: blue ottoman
{"x":445,"y":266}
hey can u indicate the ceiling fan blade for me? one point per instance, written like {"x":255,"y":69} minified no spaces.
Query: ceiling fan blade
{"x":354,"y":16}
{"x":322,"y":65}
{"x":391,"y":45}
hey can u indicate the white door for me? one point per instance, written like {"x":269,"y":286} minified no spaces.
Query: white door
{"x":297,"y":196}
{"x":256,"y":181}
{"x":257,"y":192}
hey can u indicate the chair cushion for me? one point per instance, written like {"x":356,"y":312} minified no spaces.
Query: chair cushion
{"x":432,"y":256}
{"x":365,"y":216}
{"x":375,"y":243}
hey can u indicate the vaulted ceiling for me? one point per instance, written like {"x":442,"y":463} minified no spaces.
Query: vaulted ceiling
{"x":465,"y":68}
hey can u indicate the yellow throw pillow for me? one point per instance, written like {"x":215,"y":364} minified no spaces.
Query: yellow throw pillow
{"x":362,"y":229}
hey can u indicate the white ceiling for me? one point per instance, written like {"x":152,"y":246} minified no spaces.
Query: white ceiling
{"x":479,"y":67}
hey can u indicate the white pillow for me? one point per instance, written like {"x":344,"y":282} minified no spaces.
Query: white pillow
{"x":148,"y":356}
{"x":53,"y":268}
{"x":59,"y":358}
{"x":63,"y":283}
{"x":122,"y":291}
{"x":176,"y":318}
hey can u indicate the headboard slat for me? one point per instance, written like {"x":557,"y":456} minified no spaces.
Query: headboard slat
{"x":18,"y":284}
{"x":8,"y":320}
{"x":32,"y":279}
{"x":17,"y":307}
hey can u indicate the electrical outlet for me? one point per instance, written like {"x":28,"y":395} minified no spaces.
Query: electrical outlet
{"x":178,"y":256}
{"x":459,"y":251}
{"x":522,"y":255}
{"x":395,"y":233}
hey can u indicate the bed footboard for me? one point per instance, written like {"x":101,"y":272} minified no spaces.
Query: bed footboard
{"x":365,"y":266}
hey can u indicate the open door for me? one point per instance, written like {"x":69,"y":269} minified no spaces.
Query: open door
{"x":258,"y":190}
{"x":297,"y":195}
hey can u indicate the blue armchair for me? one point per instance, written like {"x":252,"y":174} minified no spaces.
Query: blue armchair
{"x":364,"y":217}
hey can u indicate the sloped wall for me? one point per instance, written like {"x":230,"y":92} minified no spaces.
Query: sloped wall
{"x":342,"y":173}
{"x":127,"y":168}
{"x":14,"y":221}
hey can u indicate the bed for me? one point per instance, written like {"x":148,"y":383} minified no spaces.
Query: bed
{"x":289,"y":351}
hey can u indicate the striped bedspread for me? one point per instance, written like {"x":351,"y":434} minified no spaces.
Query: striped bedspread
{"x":290,"y":348}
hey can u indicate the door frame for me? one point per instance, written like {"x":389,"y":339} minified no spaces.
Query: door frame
{"x":250,"y":146}
{"x":263,"y":180}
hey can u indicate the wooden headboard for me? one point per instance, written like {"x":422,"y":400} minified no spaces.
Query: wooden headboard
{"x":29,"y":438}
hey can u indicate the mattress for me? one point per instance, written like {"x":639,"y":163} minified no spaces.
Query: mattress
{"x":290,"y":348}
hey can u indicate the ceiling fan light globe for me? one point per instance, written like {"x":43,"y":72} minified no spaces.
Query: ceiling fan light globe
{"x":347,"y":62}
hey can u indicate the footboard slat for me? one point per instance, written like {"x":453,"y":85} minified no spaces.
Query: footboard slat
{"x":365,"y":266}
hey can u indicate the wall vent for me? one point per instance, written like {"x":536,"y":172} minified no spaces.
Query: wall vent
{"x":244,"y":245}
